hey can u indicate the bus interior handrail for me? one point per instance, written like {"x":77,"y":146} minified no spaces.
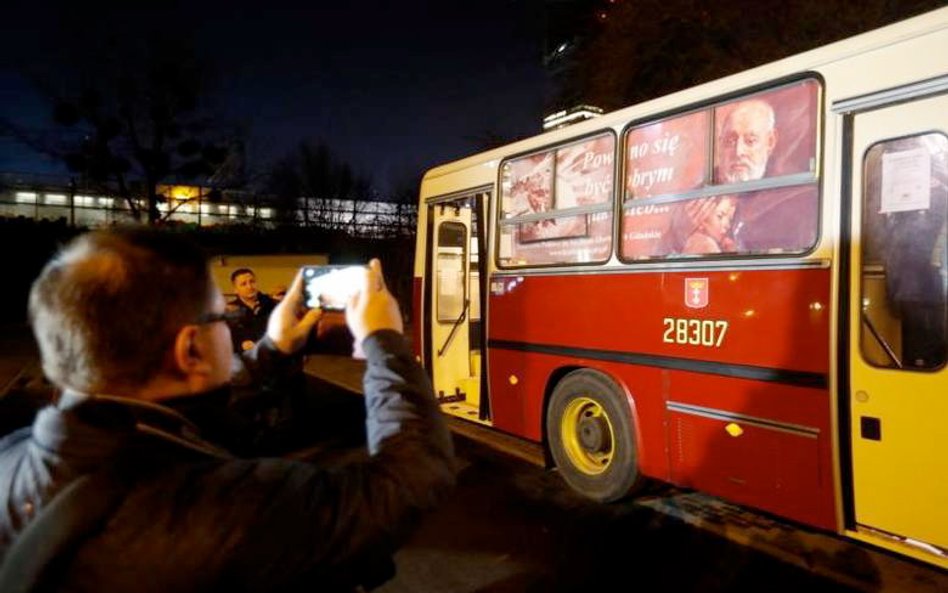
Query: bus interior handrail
{"x":454,"y":329}
{"x":881,"y":340}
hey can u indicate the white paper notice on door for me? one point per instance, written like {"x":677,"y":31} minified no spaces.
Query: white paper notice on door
{"x":906,"y":181}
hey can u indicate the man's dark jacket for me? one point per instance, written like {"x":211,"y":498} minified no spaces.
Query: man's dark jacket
{"x":196,"y":519}
{"x":249,"y":324}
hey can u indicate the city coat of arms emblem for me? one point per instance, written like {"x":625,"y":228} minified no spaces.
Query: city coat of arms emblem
{"x":696,"y":292}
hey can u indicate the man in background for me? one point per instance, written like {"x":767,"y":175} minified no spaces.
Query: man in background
{"x":269,"y":407}
{"x":250,"y":310}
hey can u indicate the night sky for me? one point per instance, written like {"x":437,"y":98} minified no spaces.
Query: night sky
{"x":391,"y":87}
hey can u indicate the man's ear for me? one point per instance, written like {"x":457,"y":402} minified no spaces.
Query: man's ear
{"x":190,"y":351}
{"x":771,"y":141}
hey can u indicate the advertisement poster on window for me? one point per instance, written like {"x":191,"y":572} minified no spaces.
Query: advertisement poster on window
{"x":771,"y":134}
{"x":520,"y":248}
{"x":528,"y":185}
{"x":768,"y":135}
{"x":749,"y":222}
{"x":584,"y":176}
{"x":564,"y":227}
{"x":667,"y":157}
{"x":584,"y":172}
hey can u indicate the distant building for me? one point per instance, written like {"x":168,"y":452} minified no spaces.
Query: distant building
{"x":567,"y":117}
{"x":568,"y":26}
{"x":43,"y":197}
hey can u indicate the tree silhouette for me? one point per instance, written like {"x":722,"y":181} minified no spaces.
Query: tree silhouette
{"x":129,"y":118}
{"x":313,"y":174}
{"x":647,"y":48}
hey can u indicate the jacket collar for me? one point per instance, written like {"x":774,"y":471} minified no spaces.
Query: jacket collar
{"x":104,"y":423}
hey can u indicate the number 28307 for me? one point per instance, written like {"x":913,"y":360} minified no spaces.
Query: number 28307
{"x":694,"y":332}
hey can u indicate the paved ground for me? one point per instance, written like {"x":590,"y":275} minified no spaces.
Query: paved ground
{"x":512,"y":526}
{"x":515,"y":528}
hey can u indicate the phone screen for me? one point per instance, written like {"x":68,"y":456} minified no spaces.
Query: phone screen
{"x":329,"y":287}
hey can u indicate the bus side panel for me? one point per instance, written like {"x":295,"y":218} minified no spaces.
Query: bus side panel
{"x":784,"y":467}
{"x":738,"y":407}
{"x":762,"y":444}
{"x":775,"y":319}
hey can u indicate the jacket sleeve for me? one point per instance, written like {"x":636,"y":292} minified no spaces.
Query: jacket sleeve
{"x":261,"y":361}
{"x":325,"y":522}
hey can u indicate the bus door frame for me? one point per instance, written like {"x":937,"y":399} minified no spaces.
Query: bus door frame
{"x":873,"y":430}
{"x":480,"y":201}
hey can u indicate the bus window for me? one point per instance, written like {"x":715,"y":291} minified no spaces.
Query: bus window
{"x":905,"y":262}
{"x":452,"y":241}
{"x":760,"y":197}
{"x":528,"y":185}
{"x":556,"y":205}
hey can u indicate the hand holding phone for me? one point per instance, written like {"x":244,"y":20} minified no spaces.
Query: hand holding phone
{"x":286,"y":328}
{"x":372,"y":308}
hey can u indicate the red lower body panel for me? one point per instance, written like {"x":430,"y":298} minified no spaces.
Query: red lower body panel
{"x":744,"y":414}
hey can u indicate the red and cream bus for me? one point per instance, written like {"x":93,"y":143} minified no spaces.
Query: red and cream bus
{"x":738,"y":288}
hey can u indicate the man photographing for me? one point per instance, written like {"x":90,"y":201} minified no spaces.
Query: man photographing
{"x":129,"y":324}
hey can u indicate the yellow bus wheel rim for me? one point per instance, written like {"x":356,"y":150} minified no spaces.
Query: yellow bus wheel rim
{"x":587,"y":436}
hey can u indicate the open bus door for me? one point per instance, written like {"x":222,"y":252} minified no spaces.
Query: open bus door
{"x":455,"y":339}
{"x":897,"y":402}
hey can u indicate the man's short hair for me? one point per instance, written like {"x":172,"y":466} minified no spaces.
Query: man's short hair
{"x":240,"y":272}
{"x":107,"y":308}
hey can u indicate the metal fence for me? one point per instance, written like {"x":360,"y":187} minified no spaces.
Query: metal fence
{"x":49,"y":198}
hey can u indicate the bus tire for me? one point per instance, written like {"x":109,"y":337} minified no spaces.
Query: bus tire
{"x":591,"y":436}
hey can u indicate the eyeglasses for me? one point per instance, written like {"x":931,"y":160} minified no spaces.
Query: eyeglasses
{"x":226,"y":316}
